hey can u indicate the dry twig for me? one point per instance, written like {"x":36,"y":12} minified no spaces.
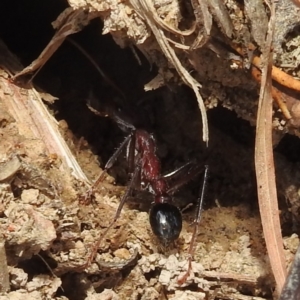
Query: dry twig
{"x":276,"y":94}
{"x":278,"y":75}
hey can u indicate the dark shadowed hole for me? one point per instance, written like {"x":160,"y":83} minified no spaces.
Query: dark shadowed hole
{"x":36,"y":265}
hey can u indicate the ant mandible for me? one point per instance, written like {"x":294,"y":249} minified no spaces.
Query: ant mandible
{"x":145,"y":170}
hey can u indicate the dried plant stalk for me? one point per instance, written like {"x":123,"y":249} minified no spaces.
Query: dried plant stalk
{"x":264,"y":165}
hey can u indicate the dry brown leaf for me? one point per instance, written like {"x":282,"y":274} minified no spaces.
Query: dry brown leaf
{"x":264,"y":165}
{"x":70,"y":21}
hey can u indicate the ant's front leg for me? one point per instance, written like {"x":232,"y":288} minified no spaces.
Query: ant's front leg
{"x":131,"y":157}
{"x":127,"y":193}
{"x":89,"y":193}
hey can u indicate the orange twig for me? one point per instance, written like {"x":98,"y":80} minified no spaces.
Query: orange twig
{"x":276,"y":94}
{"x":277,"y":74}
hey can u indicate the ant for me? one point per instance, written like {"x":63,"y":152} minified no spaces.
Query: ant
{"x":144,"y":170}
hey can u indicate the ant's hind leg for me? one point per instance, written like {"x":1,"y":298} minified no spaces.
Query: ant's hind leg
{"x":196,"y":223}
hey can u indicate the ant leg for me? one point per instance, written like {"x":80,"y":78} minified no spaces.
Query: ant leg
{"x":108,"y":165}
{"x":192,"y":172}
{"x":131,"y":154}
{"x":129,"y":189}
{"x":178,"y":172}
{"x":196,"y":224}
{"x":114,"y":157}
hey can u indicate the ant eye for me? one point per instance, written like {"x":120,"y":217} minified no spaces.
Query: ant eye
{"x":166,"y":222}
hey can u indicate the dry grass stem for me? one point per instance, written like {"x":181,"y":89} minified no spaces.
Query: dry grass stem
{"x":264,"y":165}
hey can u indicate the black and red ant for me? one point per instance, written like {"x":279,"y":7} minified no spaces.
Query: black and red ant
{"x":144,"y":169}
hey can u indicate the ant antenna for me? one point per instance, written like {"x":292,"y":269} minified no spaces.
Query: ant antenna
{"x":196,"y":224}
{"x":99,"y":70}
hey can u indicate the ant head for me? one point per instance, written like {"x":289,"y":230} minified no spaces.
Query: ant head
{"x":166,"y":222}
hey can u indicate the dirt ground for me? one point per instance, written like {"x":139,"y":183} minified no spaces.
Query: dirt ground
{"x":48,"y":231}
